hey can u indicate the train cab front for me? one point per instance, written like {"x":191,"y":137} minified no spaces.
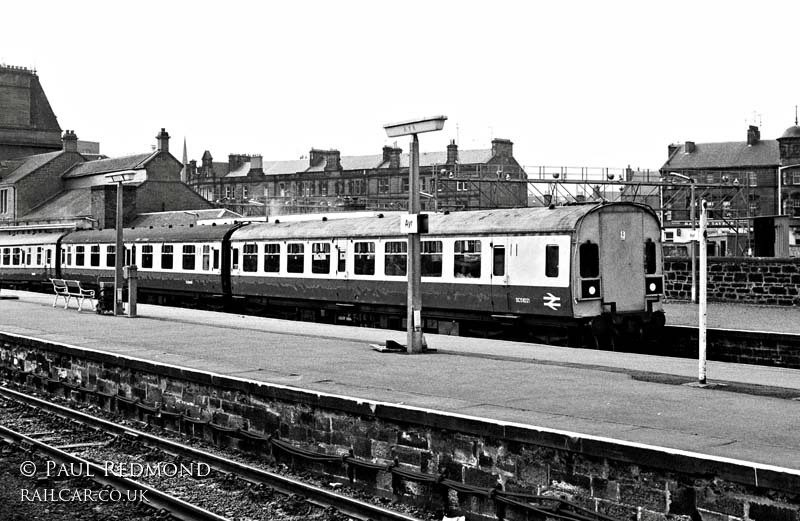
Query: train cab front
{"x":619,"y":283}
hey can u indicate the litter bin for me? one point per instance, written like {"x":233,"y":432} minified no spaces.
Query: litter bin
{"x":105,"y":302}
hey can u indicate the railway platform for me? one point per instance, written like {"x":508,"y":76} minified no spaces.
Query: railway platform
{"x":750,"y":413}
{"x":742,"y":317}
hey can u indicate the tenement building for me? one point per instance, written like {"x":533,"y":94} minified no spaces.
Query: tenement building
{"x":327,"y":181}
{"x":742,"y":181}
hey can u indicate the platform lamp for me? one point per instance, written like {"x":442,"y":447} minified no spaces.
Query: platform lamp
{"x":410,"y":223}
{"x":119,"y":249}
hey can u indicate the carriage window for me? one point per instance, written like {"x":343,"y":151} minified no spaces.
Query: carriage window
{"x":649,"y":257}
{"x":48,"y":255}
{"x":206,"y":257}
{"x":294,"y":257}
{"x":499,"y":261}
{"x":272,"y":258}
{"x":166,"y":257}
{"x":342,"y":267}
{"x":250,"y":257}
{"x":215,"y":258}
{"x":129,"y":253}
{"x":188,"y":257}
{"x":396,"y":258}
{"x":6,"y":256}
{"x":364,"y":258}
{"x":111,"y":258}
{"x":147,"y":256}
{"x":320,"y":257}
{"x":431,"y":258}
{"x":28,"y":259}
{"x":94,"y":255}
{"x":38,"y":255}
{"x":467,"y":260}
{"x":79,"y":255}
{"x":589,"y":260}
{"x":68,"y":260}
{"x":551,"y":260}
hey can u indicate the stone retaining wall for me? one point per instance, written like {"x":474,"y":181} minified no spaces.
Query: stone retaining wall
{"x":625,"y":481}
{"x":764,"y":281}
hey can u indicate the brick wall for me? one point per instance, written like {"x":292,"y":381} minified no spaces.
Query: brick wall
{"x":626,"y":482}
{"x":764,"y":281}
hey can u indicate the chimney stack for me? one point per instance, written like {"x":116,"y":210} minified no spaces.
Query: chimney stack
{"x":502,"y":148}
{"x":163,"y":141}
{"x":256,"y":162}
{"x":452,"y":152}
{"x":689,"y":147}
{"x":753,"y":135}
{"x":69,"y":141}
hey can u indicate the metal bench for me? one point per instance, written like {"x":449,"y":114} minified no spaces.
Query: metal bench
{"x":69,"y":289}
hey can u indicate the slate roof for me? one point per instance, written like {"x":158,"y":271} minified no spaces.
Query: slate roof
{"x":114,"y":164}
{"x":242,"y":171}
{"x":375,"y":161}
{"x":67,"y":204}
{"x":180,"y":218}
{"x":735,"y":154}
{"x":16,"y":169}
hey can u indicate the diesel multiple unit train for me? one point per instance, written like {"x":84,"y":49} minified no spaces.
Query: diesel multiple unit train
{"x":529,"y":269}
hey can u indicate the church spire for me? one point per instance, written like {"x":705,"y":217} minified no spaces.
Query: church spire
{"x":185,"y":169}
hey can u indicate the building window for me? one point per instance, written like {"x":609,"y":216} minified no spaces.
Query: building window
{"x":250,"y":257}
{"x":323,"y":188}
{"x":228,"y":192}
{"x":795,"y":180}
{"x":383,"y":185}
{"x":321,"y":257}
{"x":188,"y":256}
{"x":404,"y":184}
{"x":338,"y":187}
{"x":431,"y":258}
{"x":467,"y":260}
{"x":4,"y":201}
{"x":147,"y":256}
{"x":551,"y":260}
{"x":94,"y":255}
{"x":751,"y":179}
{"x":111,"y":257}
{"x":295,"y":257}
{"x":244,"y":191}
{"x":396,"y":258}
{"x":364,"y":258}
{"x":461,"y":186}
{"x":272,"y":258}
{"x":166,"y":257}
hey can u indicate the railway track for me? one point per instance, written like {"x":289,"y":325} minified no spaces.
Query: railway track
{"x":36,"y":428}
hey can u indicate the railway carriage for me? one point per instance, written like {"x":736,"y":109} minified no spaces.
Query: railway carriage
{"x":597,"y":265}
{"x":175,"y":265}
{"x":29,"y":260}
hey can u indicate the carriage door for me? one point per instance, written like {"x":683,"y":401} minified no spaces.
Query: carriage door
{"x":342,"y":269}
{"x":499,"y":256}
{"x":622,"y":260}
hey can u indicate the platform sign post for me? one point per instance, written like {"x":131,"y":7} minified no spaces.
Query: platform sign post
{"x":411,"y":128}
{"x":119,"y":248}
{"x":703,"y":308}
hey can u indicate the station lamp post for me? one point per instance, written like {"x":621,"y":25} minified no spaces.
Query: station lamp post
{"x":119,"y":249}
{"x":413,"y":225}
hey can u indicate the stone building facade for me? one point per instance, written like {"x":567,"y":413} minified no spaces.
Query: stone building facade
{"x":27,"y":123}
{"x":328,"y":181}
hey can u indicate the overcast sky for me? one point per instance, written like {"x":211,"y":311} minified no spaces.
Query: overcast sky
{"x":595,"y":83}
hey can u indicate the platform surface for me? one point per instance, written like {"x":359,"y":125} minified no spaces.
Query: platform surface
{"x":746,"y":317}
{"x":631,"y":397}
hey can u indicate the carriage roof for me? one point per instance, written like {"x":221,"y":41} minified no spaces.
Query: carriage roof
{"x":540,"y":220}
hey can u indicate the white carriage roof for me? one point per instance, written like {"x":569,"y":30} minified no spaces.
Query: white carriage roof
{"x":562,"y":219}
{"x":29,"y":239}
